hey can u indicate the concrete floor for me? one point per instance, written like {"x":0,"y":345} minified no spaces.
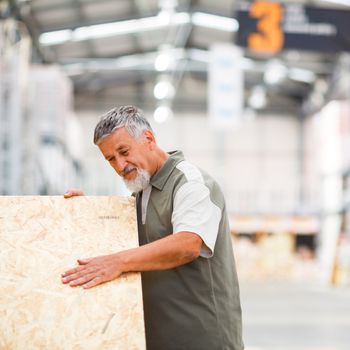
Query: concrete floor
{"x":283,"y":316}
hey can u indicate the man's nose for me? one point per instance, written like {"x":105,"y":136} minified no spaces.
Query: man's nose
{"x":120,"y":165}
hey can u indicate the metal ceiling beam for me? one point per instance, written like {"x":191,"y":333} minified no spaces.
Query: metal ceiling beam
{"x":104,"y":100}
{"x":63,"y":4}
{"x":144,"y":61}
{"x":82,"y":18}
{"x":93,"y":21}
{"x":133,"y":15}
{"x":136,"y":39}
{"x":32,"y":27}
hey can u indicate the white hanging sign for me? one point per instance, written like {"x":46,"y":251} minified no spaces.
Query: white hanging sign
{"x":225,"y":86}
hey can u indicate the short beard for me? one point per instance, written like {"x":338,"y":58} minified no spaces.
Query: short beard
{"x":140,"y":182}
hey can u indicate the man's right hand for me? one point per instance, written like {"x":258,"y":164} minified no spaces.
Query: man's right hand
{"x":73,"y":193}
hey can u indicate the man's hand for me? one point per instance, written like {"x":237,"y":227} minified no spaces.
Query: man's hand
{"x":94,"y":271}
{"x":165,"y":253}
{"x":73,"y":192}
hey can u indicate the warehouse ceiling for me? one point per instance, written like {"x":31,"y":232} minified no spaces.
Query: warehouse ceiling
{"x":116,"y":49}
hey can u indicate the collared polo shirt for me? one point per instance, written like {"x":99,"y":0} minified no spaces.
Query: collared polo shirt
{"x":196,"y":305}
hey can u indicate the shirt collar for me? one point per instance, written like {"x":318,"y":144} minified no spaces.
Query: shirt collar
{"x":159,"y":179}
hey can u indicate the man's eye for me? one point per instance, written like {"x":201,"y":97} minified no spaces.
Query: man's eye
{"x":124,"y":153}
{"x":111,"y":159}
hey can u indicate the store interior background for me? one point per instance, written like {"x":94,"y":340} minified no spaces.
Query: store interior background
{"x":273,"y":128}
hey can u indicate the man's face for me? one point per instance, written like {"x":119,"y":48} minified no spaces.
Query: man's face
{"x":127,"y":155}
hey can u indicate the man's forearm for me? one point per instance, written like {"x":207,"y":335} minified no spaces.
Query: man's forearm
{"x":171,"y":251}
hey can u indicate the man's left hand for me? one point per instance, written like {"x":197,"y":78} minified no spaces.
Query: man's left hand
{"x":94,"y":271}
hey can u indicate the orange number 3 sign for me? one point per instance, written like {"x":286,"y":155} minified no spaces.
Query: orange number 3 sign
{"x":270,"y":37}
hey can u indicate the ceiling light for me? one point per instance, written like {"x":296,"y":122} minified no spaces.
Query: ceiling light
{"x":112,"y":29}
{"x":208,"y":20}
{"x":167,"y":58}
{"x":139,"y":25}
{"x":57,"y":37}
{"x":164,"y":90}
{"x":339,"y":2}
{"x":162,"y":114}
{"x":275,"y":72}
{"x":167,"y":4}
{"x":126,"y":27}
{"x":302,"y":75}
{"x":162,"y":62}
{"x":258,"y":99}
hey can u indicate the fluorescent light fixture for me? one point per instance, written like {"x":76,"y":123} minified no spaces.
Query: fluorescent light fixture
{"x":127,"y":27}
{"x":302,"y":75}
{"x":338,"y":2}
{"x":55,"y":38}
{"x":112,"y":29}
{"x":201,"y":19}
{"x":208,"y":20}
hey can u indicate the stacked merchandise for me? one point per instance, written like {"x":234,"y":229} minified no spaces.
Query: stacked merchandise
{"x":50,"y":111}
{"x":329,"y":153}
{"x":36,"y":117}
{"x":273,"y":257}
{"x":15,"y":47}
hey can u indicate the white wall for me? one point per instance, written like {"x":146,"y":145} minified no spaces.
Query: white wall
{"x":256,"y":164}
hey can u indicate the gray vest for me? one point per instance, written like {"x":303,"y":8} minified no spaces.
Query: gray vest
{"x":195,"y":306}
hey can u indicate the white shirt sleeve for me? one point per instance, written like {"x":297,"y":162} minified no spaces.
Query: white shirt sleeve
{"x":195,"y":212}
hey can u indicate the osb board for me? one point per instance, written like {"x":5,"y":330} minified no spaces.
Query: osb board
{"x":41,"y":237}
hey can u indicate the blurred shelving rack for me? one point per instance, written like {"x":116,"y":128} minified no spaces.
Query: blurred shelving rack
{"x":15,"y":48}
{"x":37,"y":147}
{"x":300,"y":229}
{"x":277,"y":247}
{"x":341,"y":268}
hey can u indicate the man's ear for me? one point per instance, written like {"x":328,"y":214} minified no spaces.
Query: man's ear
{"x":149,"y":138}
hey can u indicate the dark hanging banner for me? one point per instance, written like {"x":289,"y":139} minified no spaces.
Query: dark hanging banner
{"x":270,"y":27}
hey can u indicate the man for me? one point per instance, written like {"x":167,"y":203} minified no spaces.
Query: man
{"x":189,"y":280}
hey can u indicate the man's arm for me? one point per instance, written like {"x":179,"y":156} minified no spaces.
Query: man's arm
{"x":166,"y":253}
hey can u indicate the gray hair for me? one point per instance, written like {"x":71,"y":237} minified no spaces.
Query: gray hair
{"x":129,"y":117}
